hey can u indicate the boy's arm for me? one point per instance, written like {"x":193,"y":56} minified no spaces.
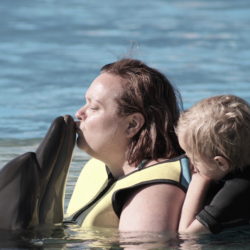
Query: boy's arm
{"x":193,"y":204}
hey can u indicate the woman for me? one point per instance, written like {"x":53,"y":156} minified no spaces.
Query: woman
{"x":128,"y":124}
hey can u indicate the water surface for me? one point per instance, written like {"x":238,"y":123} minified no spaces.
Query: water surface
{"x":50,"y":51}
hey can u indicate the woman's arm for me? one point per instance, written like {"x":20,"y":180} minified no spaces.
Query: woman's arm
{"x":193,"y":204}
{"x":154,"y":208}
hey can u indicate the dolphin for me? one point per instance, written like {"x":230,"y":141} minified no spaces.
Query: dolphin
{"x":32,"y":185}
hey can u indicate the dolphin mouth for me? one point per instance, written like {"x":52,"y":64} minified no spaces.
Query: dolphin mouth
{"x":68,"y":119}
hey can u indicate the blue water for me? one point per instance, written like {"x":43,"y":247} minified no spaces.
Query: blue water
{"x":50,"y":51}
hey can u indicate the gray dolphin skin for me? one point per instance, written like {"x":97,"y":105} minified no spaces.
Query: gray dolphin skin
{"x":32,"y":185}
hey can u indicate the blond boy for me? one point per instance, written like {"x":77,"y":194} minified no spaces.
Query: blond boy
{"x":215,"y":134}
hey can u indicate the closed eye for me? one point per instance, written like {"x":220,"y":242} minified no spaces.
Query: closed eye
{"x":94,"y":107}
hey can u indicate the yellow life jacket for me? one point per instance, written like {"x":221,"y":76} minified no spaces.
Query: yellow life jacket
{"x":98,"y":198}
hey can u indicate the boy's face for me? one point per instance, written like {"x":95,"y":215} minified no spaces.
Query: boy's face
{"x":202,"y":165}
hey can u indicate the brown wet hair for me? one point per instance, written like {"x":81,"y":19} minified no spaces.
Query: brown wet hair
{"x":149,"y":92}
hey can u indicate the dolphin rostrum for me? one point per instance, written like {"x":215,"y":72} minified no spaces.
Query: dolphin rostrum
{"x":32,"y":185}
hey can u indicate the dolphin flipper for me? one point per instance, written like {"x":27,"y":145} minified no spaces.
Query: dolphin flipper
{"x":32,"y":184}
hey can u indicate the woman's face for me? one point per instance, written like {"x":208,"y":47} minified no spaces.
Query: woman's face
{"x":101,"y":132}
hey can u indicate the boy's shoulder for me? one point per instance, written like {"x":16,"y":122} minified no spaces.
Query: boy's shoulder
{"x":241,"y":174}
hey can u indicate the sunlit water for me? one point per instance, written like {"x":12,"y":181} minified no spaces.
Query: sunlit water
{"x":50,"y":50}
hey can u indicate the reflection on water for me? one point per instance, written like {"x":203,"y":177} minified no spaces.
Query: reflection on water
{"x":238,"y":238}
{"x":50,"y":50}
{"x":73,"y":237}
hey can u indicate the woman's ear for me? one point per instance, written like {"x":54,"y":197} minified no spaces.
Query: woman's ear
{"x":222,"y":163}
{"x":135,"y":123}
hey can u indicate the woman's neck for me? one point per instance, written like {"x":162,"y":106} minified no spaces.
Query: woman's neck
{"x":121,"y":169}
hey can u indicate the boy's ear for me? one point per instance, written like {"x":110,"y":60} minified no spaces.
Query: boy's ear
{"x":135,"y":123}
{"x":222,"y":163}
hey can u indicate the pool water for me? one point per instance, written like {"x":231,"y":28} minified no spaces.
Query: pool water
{"x":50,"y":51}
{"x":97,"y":238}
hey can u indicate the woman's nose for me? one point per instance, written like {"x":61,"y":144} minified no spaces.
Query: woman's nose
{"x":80,"y":113}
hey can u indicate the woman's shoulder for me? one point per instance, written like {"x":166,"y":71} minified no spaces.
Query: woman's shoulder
{"x":180,"y":158}
{"x":149,"y":208}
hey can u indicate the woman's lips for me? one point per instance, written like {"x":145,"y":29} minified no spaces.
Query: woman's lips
{"x":77,"y":125}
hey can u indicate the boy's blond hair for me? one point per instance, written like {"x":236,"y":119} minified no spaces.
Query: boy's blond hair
{"x":218,"y":126}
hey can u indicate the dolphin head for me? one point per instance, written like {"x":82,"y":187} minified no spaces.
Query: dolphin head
{"x":32,"y":185}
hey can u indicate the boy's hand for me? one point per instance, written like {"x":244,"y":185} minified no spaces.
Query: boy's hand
{"x":193,"y":204}
{"x":198,"y":177}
